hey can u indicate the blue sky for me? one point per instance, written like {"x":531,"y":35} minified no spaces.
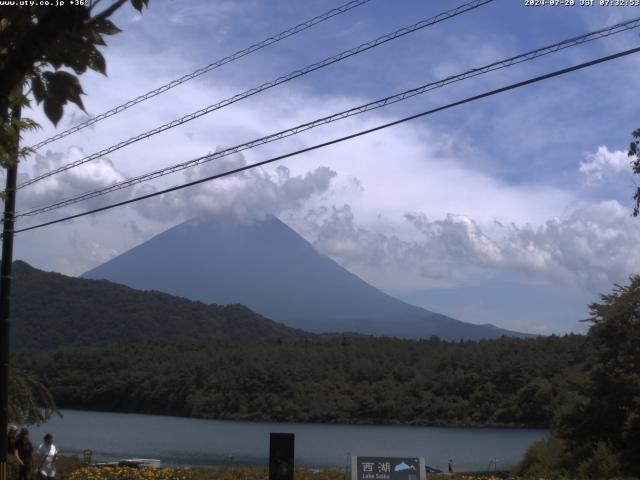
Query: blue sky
{"x":513,"y":210}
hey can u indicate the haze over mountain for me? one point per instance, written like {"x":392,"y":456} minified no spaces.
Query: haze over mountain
{"x":268,"y":267}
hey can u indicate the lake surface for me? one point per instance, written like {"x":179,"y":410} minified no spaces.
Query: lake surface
{"x":185,"y":441}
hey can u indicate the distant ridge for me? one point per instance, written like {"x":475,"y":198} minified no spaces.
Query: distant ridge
{"x":267,"y":266}
{"x":50,"y":310}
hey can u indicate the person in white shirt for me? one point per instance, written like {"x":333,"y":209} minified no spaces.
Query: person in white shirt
{"x":47,"y":456}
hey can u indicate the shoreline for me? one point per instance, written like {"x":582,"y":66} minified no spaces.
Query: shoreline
{"x":456,"y":426}
{"x":211,"y":443}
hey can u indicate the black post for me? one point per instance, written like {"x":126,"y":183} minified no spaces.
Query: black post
{"x":5,"y":298}
{"x":281,"y":456}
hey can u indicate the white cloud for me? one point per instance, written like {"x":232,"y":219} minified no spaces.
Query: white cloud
{"x":86,"y":177}
{"x":422,"y":199}
{"x":603,"y":163}
{"x":251,"y":193}
{"x":592,"y":247}
{"x":406,"y":169}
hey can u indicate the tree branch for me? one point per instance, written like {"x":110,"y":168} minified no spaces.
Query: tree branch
{"x":26,"y":53}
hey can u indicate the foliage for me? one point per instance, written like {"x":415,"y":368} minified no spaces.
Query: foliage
{"x":245,"y":473}
{"x":30,"y":402}
{"x":608,"y":417}
{"x":603,"y":462}
{"x":362,"y":380}
{"x":52,"y":310}
{"x":600,"y":428}
{"x":44,"y":48}
{"x":127,"y":473}
{"x":634,"y":151}
{"x":542,"y":460}
{"x":507,"y":382}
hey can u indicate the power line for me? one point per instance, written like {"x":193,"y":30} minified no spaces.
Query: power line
{"x":212,"y":66}
{"x":265,"y":86}
{"x":512,"y":86}
{"x":588,"y":37}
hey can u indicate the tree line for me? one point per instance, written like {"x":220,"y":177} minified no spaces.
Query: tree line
{"x":596,"y":435}
{"x":505,"y":382}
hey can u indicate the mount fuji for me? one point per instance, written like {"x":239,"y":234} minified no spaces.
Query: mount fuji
{"x":268,"y":267}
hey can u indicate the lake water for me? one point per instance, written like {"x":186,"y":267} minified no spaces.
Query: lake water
{"x":185,"y":441}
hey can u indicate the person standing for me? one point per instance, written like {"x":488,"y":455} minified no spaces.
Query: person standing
{"x":47,"y":456}
{"x":450,"y":465}
{"x":24,"y":454}
{"x":11,"y":439}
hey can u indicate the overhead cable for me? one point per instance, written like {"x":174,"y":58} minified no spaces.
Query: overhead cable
{"x":338,"y":140}
{"x":528,"y":56}
{"x":265,"y":86}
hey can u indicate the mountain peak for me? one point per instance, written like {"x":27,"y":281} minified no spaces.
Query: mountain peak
{"x":267,"y":266}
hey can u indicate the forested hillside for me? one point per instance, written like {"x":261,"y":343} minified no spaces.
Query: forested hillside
{"x":499,"y":382}
{"x":51,"y":310}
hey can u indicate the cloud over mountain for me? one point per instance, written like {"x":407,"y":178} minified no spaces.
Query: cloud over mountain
{"x":590,"y":247}
{"x":424,"y":198}
{"x":249,"y":194}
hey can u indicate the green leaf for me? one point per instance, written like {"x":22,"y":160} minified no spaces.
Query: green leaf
{"x":53,"y":109}
{"x":95,"y":37}
{"x":64,"y":87}
{"x":56,"y":63}
{"x":97,"y":62}
{"x":38,"y":88}
{"x":72,"y":50}
{"x":138,"y":4}
{"x":28,"y":124}
{"x":107,"y":27}
{"x":79,"y":62}
{"x":15,"y":96}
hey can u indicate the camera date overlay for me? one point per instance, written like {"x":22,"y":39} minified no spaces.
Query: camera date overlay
{"x":44,"y":3}
{"x":581,"y":3}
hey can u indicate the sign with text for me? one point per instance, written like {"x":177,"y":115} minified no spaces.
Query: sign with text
{"x":387,"y":468}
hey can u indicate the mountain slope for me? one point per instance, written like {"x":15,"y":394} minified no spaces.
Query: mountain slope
{"x":274,"y":271}
{"x":52,"y":310}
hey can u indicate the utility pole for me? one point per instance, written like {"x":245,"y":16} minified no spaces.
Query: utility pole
{"x":5,"y":293}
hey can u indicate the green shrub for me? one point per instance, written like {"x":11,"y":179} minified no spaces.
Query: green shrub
{"x":602,"y":463}
{"x":543,"y":459}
